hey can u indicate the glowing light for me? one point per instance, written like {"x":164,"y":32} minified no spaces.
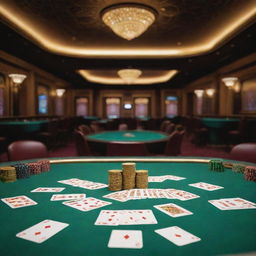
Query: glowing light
{"x":17,"y":78}
{"x":199,"y":93}
{"x":210,"y":92}
{"x":60,"y":92}
{"x":229,"y":81}
{"x":129,"y":76}
{"x":128,"y":20}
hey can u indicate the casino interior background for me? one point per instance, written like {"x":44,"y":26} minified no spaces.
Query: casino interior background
{"x":72,"y":62}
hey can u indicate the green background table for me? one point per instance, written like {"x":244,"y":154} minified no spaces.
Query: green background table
{"x":155,"y":141}
{"x":222,"y":232}
{"x":218,"y":128}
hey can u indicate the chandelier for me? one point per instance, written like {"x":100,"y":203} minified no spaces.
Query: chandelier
{"x":129,"y":76}
{"x":17,"y":78}
{"x":128,"y":20}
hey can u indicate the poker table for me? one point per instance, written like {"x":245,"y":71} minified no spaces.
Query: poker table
{"x":155,"y":141}
{"x":221,"y":232}
{"x":218,"y":128}
{"x":21,"y":129}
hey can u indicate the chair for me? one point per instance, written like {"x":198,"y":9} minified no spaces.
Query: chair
{"x":169,"y":128}
{"x":244,"y":152}
{"x":127,"y":149}
{"x":85,"y":129}
{"x":164,"y":124}
{"x":82,"y":146}
{"x":173,"y":146}
{"x":26,"y":149}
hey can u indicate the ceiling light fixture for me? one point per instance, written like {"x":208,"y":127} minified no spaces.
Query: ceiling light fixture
{"x":128,"y":20}
{"x":229,"y":81}
{"x":60,"y":92}
{"x":129,"y":76}
{"x":17,"y":78}
{"x":199,"y":93}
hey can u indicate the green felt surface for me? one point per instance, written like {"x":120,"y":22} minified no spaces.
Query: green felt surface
{"x":219,"y":122}
{"x":222,"y":232}
{"x":132,"y":135}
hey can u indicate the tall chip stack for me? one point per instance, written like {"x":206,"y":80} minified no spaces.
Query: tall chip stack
{"x":216,"y":165}
{"x":115,"y":180}
{"x":238,"y":168}
{"x":129,"y":175}
{"x":7,"y":174}
{"x":141,"y":179}
{"x":22,"y":170}
{"x":250,"y":173}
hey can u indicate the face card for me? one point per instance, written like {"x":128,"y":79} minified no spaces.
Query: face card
{"x":42,"y":231}
{"x":59,"y":197}
{"x":205,"y":186}
{"x":177,"y":235}
{"x":87,"y":204}
{"x":172,"y":210}
{"x":126,"y":239}
{"x":46,"y":189}
{"x":18,"y":201}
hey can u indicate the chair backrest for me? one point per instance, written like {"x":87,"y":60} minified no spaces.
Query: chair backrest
{"x":244,"y":152}
{"x":82,"y":147}
{"x":164,"y":124}
{"x":26,"y":149}
{"x":169,"y":128}
{"x":122,"y":127}
{"x":127,"y":149}
{"x":85,"y":129}
{"x":173,"y":145}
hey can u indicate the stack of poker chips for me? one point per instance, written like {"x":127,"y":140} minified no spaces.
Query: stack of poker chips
{"x":34,"y":168}
{"x":115,"y":180}
{"x":216,"y":165}
{"x":250,"y":173}
{"x":22,"y":170}
{"x":7,"y":174}
{"x":45,"y":165}
{"x":141,"y":179}
{"x":238,"y":168}
{"x":128,"y":175}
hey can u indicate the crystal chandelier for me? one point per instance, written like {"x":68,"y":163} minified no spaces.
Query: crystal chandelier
{"x":17,"y":78}
{"x":129,"y":76}
{"x":128,"y":20}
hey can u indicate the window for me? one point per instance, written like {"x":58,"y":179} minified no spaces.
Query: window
{"x":82,"y":106}
{"x":249,"y":95}
{"x":141,"y":107}
{"x":42,"y":104}
{"x":112,"y":108}
{"x":171,"y":106}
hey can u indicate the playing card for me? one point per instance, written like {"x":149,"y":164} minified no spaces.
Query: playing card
{"x":172,"y":210}
{"x":46,"y":189}
{"x":173,"y":177}
{"x":73,"y":182}
{"x":177,"y":235}
{"x":42,"y":231}
{"x":126,"y":239}
{"x":59,"y":197}
{"x":184,"y":195}
{"x":137,"y":217}
{"x":205,"y":186}
{"x":87,"y":204}
{"x":121,"y":196}
{"x":108,"y":218}
{"x":18,"y":201}
{"x":232,"y":204}
{"x":156,"y":178}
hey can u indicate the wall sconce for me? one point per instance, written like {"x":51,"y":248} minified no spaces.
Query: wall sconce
{"x":17,"y":78}
{"x":199,"y":93}
{"x":229,"y":81}
{"x":210,"y":92}
{"x":60,"y":92}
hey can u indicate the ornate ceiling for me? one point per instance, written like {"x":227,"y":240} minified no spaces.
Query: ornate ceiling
{"x":193,"y":37}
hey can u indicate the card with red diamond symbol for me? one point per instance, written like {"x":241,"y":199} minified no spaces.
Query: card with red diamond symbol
{"x":42,"y":231}
{"x":126,"y":239}
{"x":177,"y":235}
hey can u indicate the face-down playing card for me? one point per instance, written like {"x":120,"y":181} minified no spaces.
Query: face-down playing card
{"x":42,"y":231}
